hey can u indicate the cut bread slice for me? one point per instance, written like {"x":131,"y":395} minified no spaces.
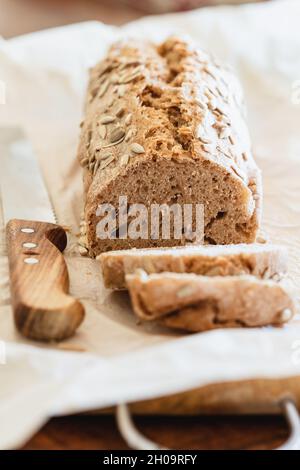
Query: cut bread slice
{"x":261,"y":260}
{"x":197,"y":303}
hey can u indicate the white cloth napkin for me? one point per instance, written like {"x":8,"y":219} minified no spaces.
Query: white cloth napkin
{"x":43,"y":78}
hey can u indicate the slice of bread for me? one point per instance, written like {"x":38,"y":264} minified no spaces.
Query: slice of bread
{"x":197,"y":303}
{"x":265,"y":261}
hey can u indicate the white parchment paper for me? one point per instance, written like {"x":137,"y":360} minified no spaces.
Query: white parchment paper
{"x":43,"y":77}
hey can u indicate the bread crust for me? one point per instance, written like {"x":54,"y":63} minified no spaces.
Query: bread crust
{"x":265,"y":261}
{"x":198,"y":303}
{"x":166,"y":124}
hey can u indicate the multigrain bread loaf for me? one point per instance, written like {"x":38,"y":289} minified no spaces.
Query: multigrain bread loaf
{"x":165,"y":124}
{"x":197,"y":303}
{"x":265,"y":261}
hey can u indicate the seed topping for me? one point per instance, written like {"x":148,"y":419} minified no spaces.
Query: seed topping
{"x":116,"y":135}
{"x":107,"y":119}
{"x":137,"y":148}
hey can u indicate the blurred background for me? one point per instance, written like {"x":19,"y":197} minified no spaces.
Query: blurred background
{"x":24,"y":16}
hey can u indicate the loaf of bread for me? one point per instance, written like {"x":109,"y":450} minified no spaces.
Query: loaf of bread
{"x":265,"y":261}
{"x":198,"y":303}
{"x":165,"y":124}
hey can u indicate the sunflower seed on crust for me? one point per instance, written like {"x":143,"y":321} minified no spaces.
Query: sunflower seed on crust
{"x":113,"y":144}
{"x":128,"y":63}
{"x":96,"y":167}
{"x":103,"y":89}
{"x":120,"y":111}
{"x":107,"y":119}
{"x":124,"y":159}
{"x":128,"y":119}
{"x":103,"y":156}
{"x":130,"y":76}
{"x":110,"y":101}
{"x":261,"y":239}
{"x":121,"y":90}
{"x":102,"y":131}
{"x":129,"y":135}
{"x":117,"y":135}
{"x":114,"y":78}
{"x":106,"y":67}
{"x":137,"y":148}
{"x":204,"y":140}
{"x":106,"y":162}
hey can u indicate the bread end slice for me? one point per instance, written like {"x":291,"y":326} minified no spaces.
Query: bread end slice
{"x":195,"y":303}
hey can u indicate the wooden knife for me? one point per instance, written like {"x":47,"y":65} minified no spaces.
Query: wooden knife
{"x":39,"y":281}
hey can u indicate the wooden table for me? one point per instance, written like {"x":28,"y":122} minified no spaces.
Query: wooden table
{"x":199,"y":432}
{"x":24,"y":16}
{"x":99,"y":432}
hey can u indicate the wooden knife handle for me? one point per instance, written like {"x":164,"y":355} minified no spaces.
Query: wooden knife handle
{"x":39,"y":281}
